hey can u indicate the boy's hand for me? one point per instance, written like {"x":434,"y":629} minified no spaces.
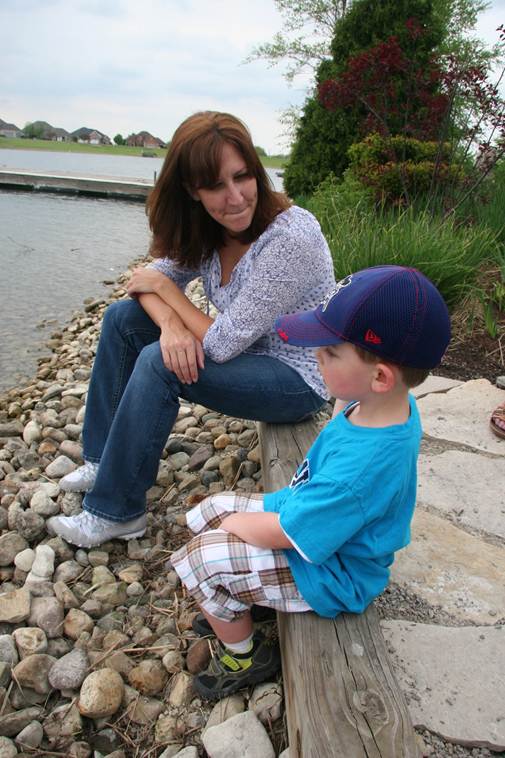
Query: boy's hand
{"x":260,"y":529}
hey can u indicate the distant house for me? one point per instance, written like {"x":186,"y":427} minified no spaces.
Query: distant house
{"x":90,"y":136}
{"x":60,"y":135}
{"x":9,"y":130}
{"x":144,"y":139}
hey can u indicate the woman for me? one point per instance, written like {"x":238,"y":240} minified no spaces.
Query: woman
{"x":212,"y":214}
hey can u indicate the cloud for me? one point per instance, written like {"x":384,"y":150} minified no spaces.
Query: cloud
{"x":122,"y":66}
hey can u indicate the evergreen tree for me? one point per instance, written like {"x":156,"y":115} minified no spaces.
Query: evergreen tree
{"x":323,"y":137}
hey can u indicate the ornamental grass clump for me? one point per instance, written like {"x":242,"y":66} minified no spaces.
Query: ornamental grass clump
{"x":450,"y":254}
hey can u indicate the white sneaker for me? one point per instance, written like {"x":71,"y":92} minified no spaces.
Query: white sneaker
{"x":87,"y":530}
{"x":81,"y":480}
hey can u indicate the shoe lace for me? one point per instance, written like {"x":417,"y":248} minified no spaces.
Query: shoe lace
{"x":90,"y":524}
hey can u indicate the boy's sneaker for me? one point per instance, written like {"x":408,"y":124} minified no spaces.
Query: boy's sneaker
{"x":229,"y":672}
{"x":87,"y":530}
{"x":259,"y":613}
{"x":81,"y":480}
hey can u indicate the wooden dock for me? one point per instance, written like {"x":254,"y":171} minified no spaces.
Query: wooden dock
{"x":72,"y":184}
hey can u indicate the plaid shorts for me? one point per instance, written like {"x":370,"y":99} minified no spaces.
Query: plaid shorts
{"x":226,"y":575}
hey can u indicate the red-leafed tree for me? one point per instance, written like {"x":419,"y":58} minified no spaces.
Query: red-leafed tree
{"x":445,"y":100}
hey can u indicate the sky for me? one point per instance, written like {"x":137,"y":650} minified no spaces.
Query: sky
{"x":122,"y":66}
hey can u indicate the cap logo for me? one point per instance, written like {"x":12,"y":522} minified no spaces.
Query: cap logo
{"x":372,"y":337}
{"x":345,"y":282}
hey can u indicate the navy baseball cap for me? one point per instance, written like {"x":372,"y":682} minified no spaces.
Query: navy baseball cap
{"x":392,"y":311}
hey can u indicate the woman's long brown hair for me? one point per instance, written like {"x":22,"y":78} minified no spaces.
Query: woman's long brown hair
{"x":182,"y":229}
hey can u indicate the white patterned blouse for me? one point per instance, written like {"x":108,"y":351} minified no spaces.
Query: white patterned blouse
{"x":287,"y":269}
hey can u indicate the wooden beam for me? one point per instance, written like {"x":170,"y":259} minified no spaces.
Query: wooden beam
{"x":342,"y":698}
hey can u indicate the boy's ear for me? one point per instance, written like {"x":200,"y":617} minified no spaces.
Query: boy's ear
{"x":384,"y":378}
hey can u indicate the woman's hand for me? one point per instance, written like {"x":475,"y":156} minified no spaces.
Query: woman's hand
{"x":182,"y":353}
{"x":144,"y":280}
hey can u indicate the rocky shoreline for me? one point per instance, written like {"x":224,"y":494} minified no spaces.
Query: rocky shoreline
{"x":97,"y":653}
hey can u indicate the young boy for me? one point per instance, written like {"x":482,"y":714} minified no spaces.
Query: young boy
{"x":326,"y":542}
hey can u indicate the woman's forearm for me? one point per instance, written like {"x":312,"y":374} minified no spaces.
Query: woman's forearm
{"x":192,"y":317}
{"x":160,"y":312}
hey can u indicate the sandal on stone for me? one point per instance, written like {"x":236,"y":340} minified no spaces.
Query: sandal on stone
{"x":229,"y":672}
{"x":498,"y":415}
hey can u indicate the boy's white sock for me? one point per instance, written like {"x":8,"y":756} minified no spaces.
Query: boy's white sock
{"x":240,"y":647}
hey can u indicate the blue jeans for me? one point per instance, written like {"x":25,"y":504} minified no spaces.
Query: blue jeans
{"x":133,"y":402}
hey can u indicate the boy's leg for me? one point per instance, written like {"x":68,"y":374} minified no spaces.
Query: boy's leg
{"x":210,"y":512}
{"x":226,"y":576}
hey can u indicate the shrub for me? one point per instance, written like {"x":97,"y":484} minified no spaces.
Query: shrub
{"x":399,"y":169}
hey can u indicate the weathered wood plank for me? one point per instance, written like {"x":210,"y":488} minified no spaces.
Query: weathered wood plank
{"x":342,"y":698}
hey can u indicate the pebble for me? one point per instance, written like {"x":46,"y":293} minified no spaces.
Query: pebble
{"x":69,"y":671}
{"x":101,"y":694}
{"x":239,"y":736}
{"x":29,"y":640}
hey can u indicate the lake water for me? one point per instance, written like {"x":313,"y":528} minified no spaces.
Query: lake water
{"x":55,"y":250}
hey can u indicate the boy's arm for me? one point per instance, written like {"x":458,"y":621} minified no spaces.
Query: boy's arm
{"x":261,"y":529}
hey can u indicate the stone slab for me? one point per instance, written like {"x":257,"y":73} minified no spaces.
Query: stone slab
{"x":449,"y":567}
{"x":434,"y":384}
{"x":452,"y":678}
{"x":462,"y":415}
{"x":467,"y":485}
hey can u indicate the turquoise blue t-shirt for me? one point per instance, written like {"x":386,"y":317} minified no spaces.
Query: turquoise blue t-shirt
{"x":348,"y":509}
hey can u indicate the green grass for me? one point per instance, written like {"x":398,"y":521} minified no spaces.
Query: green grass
{"x":274,"y":161}
{"x":451,"y":255}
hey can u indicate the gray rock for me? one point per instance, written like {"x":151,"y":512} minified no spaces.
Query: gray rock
{"x":438,"y":667}
{"x":5,"y":675}
{"x":32,"y":432}
{"x":181,"y":689}
{"x":15,"y":606}
{"x":33,"y":671}
{"x":7,"y":748}
{"x":12,"y":723}
{"x":30,"y":525}
{"x":76,"y":622}
{"x":225,"y":709}
{"x":24,"y":559}
{"x":62,"y":725}
{"x":31,"y":736}
{"x":11,"y":543}
{"x":8,"y":650}
{"x":69,"y":671}
{"x":43,"y":565}
{"x":67,"y":571}
{"x":179,"y":460}
{"x":500,"y":382}
{"x":71,"y":503}
{"x":47,"y":613}
{"x":61,"y":466}
{"x":241,"y":736}
{"x":72,"y":450}
{"x":266,"y":702}
{"x":29,"y":640}
{"x":171,"y":751}
{"x":200,"y":457}
{"x":188,"y":752}
{"x":11,"y":429}
{"x":42,"y":504}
